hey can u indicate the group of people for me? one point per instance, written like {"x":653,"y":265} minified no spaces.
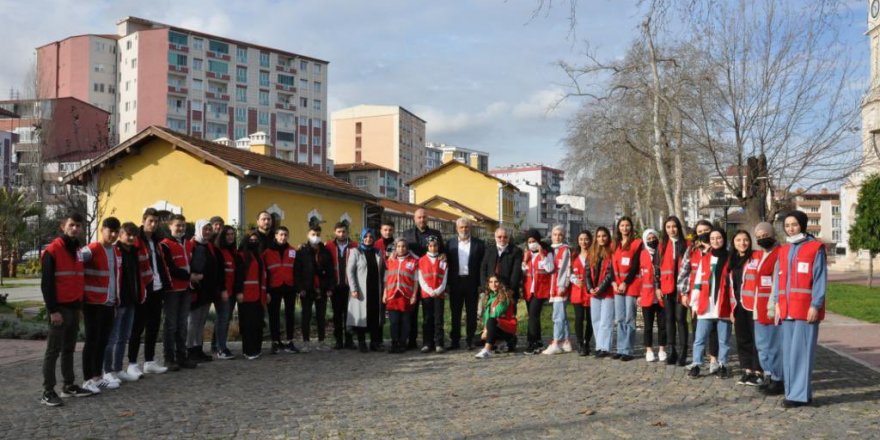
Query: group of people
{"x":132,"y":280}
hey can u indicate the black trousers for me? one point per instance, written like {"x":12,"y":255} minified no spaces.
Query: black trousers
{"x":463,"y":295}
{"x":250,"y":321}
{"x":494,"y":333}
{"x":286,"y":295}
{"x":413,"y":323}
{"x":340,"y":312}
{"x":582,"y":332}
{"x":176,"y":308}
{"x":319,"y":300}
{"x":98,"y":323}
{"x":400,"y":326}
{"x":432,"y":326}
{"x":147,"y":319}
{"x":650,"y":315}
{"x":534,"y":333}
{"x":744,"y":327}
{"x":676,"y":326}
{"x":61,"y":341}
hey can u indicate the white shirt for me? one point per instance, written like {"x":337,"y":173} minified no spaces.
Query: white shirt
{"x":464,"y":255}
{"x":157,"y":280}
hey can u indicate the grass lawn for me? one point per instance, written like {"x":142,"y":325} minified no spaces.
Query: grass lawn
{"x":854,"y":301}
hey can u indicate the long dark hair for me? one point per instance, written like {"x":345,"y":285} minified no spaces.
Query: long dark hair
{"x":618,"y":237}
{"x":220,"y":239}
{"x":589,"y":235}
{"x":598,"y":252}
{"x":664,"y":241}
{"x":737,"y":261}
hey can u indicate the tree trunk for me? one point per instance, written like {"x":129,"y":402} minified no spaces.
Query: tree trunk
{"x":871,"y":256}
{"x":754,"y":197}
{"x":658,"y":133}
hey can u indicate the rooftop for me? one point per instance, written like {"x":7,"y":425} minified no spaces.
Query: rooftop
{"x":360,"y":166}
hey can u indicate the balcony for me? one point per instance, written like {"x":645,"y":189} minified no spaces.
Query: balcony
{"x":219,"y":56}
{"x":174,"y":110}
{"x":285,"y":69}
{"x":221,"y":76}
{"x":285,"y":88}
{"x":217,"y":95}
{"x":224,"y":117}
{"x":179,"y":90}
{"x":178,"y":69}
{"x":178,"y":47}
{"x":285,"y":106}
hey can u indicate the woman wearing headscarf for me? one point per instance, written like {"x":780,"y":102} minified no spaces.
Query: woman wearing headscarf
{"x":365,"y":272}
{"x":712,"y":303}
{"x":206,"y":288}
{"x":768,"y":333}
{"x":650,"y":300}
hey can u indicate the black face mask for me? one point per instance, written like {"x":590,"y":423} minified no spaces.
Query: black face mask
{"x":253,"y":245}
{"x":766,"y":242}
{"x":651,"y":244}
{"x":704,"y":237}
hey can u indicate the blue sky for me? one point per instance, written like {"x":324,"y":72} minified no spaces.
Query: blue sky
{"x":480,"y":71}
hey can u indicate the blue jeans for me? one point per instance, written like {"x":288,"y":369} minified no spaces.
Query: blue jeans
{"x":799,"y":340}
{"x":768,"y":341}
{"x":560,"y":321}
{"x":704,"y":327}
{"x":625,"y":317}
{"x":115,"y":350}
{"x":221,"y":323}
{"x":602,"y":315}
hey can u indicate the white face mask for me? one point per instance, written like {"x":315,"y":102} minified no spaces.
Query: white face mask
{"x":534,"y":247}
{"x":432,"y":254}
{"x":795,"y":238}
{"x":179,"y":236}
{"x":314,"y":239}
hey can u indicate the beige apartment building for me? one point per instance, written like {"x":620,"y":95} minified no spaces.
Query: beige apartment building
{"x":386,"y":135}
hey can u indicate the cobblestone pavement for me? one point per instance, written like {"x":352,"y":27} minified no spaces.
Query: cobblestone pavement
{"x":351,"y":395}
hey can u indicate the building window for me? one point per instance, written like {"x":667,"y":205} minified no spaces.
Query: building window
{"x":176,"y":104}
{"x":197,"y":104}
{"x":303,"y":103}
{"x":303,"y":84}
{"x":240,"y":132}
{"x":177,"y":38}
{"x":264,"y":97}
{"x":263,"y":118}
{"x":101,"y":87}
{"x":285,"y":120}
{"x":835,"y":223}
{"x":286,"y":80}
{"x":303,"y":139}
{"x":360,"y":181}
{"x":196,"y":127}
{"x":241,"y":94}
{"x":241,"y":114}
{"x":317,"y":69}
{"x":218,"y":47}
{"x":814,"y":209}
{"x":814,"y":222}
{"x":317,"y":87}
{"x":241,"y":74}
{"x":176,"y":59}
{"x":134,"y":63}
{"x":198,"y":44}
{"x":835,"y":236}
{"x":304,"y":66}
{"x":216,"y":130}
{"x":835,"y":210}
{"x":284,"y":136}
{"x":128,"y":46}
{"x":95,"y":87}
{"x":197,"y":84}
{"x":218,"y":67}
{"x":264,"y":59}
{"x":176,"y":124}
{"x":316,"y":140}
{"x":197,"y":64}
{"x":264,"y":78}
{"x":241,"y":55}
{"x":316,"y":104}
{"x":127,"y":83}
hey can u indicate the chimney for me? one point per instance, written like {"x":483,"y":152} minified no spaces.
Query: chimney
{"x":223,"y":141}
{"x":259,"y":143}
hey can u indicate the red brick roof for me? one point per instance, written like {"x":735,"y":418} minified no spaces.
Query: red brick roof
{"x":359,"y":166}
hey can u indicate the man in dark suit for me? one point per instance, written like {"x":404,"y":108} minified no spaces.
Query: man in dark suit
{"x":464,"y":256}
{"x":505,"y":261}
{"x":417,"y":239}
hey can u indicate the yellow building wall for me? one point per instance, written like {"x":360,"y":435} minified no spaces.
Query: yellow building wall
{"x":462,"y":185}
{"x":296,"y":207}
{"x":160,"y":173}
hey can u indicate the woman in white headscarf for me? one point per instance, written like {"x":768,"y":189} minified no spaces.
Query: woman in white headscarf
{"x":205,"y":287}
{"x":649,"y":299}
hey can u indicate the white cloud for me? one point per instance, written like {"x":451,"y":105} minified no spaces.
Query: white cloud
{"x":545,"y":103}
{"x":443,"y":123}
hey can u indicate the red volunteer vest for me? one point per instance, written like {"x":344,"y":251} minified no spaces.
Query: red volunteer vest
{"x":726,"y":300}
{"x":669,"y":268}
{"x":542,"y":278}
{"x":758,"y":284}
{"x":181,"y":254}
{"x":228,"y":270}
{"x":69,"y":280}
{"x":280,"y":266}
{"x":579,"y":294}
{"x":795,"y":300}
{"x":694,"y":258}
{"x":558,"y":253}
{"x":622,"y":260}
{"x":507,"y":321}
{"x":431,"y":272}
{"x":145,"y":267}
{"x":400,"y":282}
{"x":97,"y":273}
{"x":598,"y":274}
{"x":647,"y":292}
{"x":334,"y":252}
{"x":254,"y":289}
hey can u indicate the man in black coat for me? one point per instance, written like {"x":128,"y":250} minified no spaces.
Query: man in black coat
{"x":417,"y":239}
{"x":464,"y":257}
{"x":505,"y":261}
{"x":315,"y":279}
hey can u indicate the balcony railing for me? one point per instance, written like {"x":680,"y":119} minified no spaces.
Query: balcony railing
{"x":219,"y":56}
{"x":178,"y":47}
{"x":220,"y":76}
{"x":285,"y":87}
{"x":285,"y":106}
{"x":286,"y":69}
{"x":179,"y":69}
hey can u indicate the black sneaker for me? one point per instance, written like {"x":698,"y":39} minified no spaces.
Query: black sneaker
{"x":744,"y":379}
{"x":615,"y":356}
{"x":601,"y":354}
{"x":695,"y":372}
{"x":172,"y":366}
{"x":682,"y":361}
{"x":583,"y":351}
{"x":626,"y":357}
{"x":672,"y":359}
{"x":755,"y":380}
{"x":455,"y":346}
{"x":188,"y":363}
{"x":290,"y":347}
{"x":276,"y":347}
{"x":723,"y":372}
{"x":225,"y":355}
{"x":339,"y":345}
{"x":793,"y":404}
{"x":74,"y":391}
{"x":49,"y":398}
{"x":775,"y":388}
{"x":765,"y":382}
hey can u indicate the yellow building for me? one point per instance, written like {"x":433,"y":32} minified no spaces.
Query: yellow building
{"x":180,"y":174}
{"x":466,"y":191}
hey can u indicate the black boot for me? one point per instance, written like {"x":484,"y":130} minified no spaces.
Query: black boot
{"x":184,"y":362}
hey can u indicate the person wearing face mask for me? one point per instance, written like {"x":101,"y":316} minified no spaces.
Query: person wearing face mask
{"x":280,"y":260}
{"x":178,"y":254}
{"x":538,"y":269}
{"x":250,"y":291}
{"x":432,"y":283}
{"x":742,"y":267}
{"x":712,"y":303}
{"x":401,"y":289}
{"x":315,"y":281}
{"x":686,"y":276}
{"x":798,"y":301}
{"x":756,"y":291}
{"x":205,"y":288}
{"x":650,"y":301}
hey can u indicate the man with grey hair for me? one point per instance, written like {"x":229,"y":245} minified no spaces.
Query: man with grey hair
{"x":504,"y":260}
{"x":464,"y":256}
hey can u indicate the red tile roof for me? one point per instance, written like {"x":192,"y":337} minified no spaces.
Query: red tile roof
{"x":359,"y":166}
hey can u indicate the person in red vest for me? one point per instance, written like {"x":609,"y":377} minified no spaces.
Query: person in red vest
{"x":537,"y":268}
{"x":224,"y":245}
{"x":672,"y":251}
{"x":799,"y":303}
{"x":63,"y":286}
{"x":651,"y":301}
{"x":432,"y":282}
{"x":580,"y":294}
{"x":560,"y":290}
{"x":712,"y":303}
{"x":340,"y":248}
{"x":598,"y":282}
{"x":499,"y":317}
{"x":250,"y":291}
{"x":768,"y":334}
{"x":178,"y":254}
{"x":401,"y":288}
{"x":742,"y":272}
{"x":625,"y":261}
{"x":315,"y":279}
{"x":686,"y":277}
{"x":99,"y":308}
{"x":279,"y":258}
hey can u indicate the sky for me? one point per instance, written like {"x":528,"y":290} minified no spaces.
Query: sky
{"x":482,"y":73}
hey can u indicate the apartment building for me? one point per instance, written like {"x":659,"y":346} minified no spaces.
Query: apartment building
{"x":438,"y":154}
{"x":543,"y":184}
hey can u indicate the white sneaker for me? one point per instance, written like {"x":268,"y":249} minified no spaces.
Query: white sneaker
{"x":483,"y":354}
{"x":91,"y":386}
{"x":566,"y":346}
{"x":111,"y":377}
{"x":104,"y":383}
{"x":714,"y":367}
{"x":126,"y":376}
{"x":153,"y":368}
{"x":649,"y":356}
{"x":552,"y":349}
{"x":662,"y":356}
{"x":134,"y":370}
